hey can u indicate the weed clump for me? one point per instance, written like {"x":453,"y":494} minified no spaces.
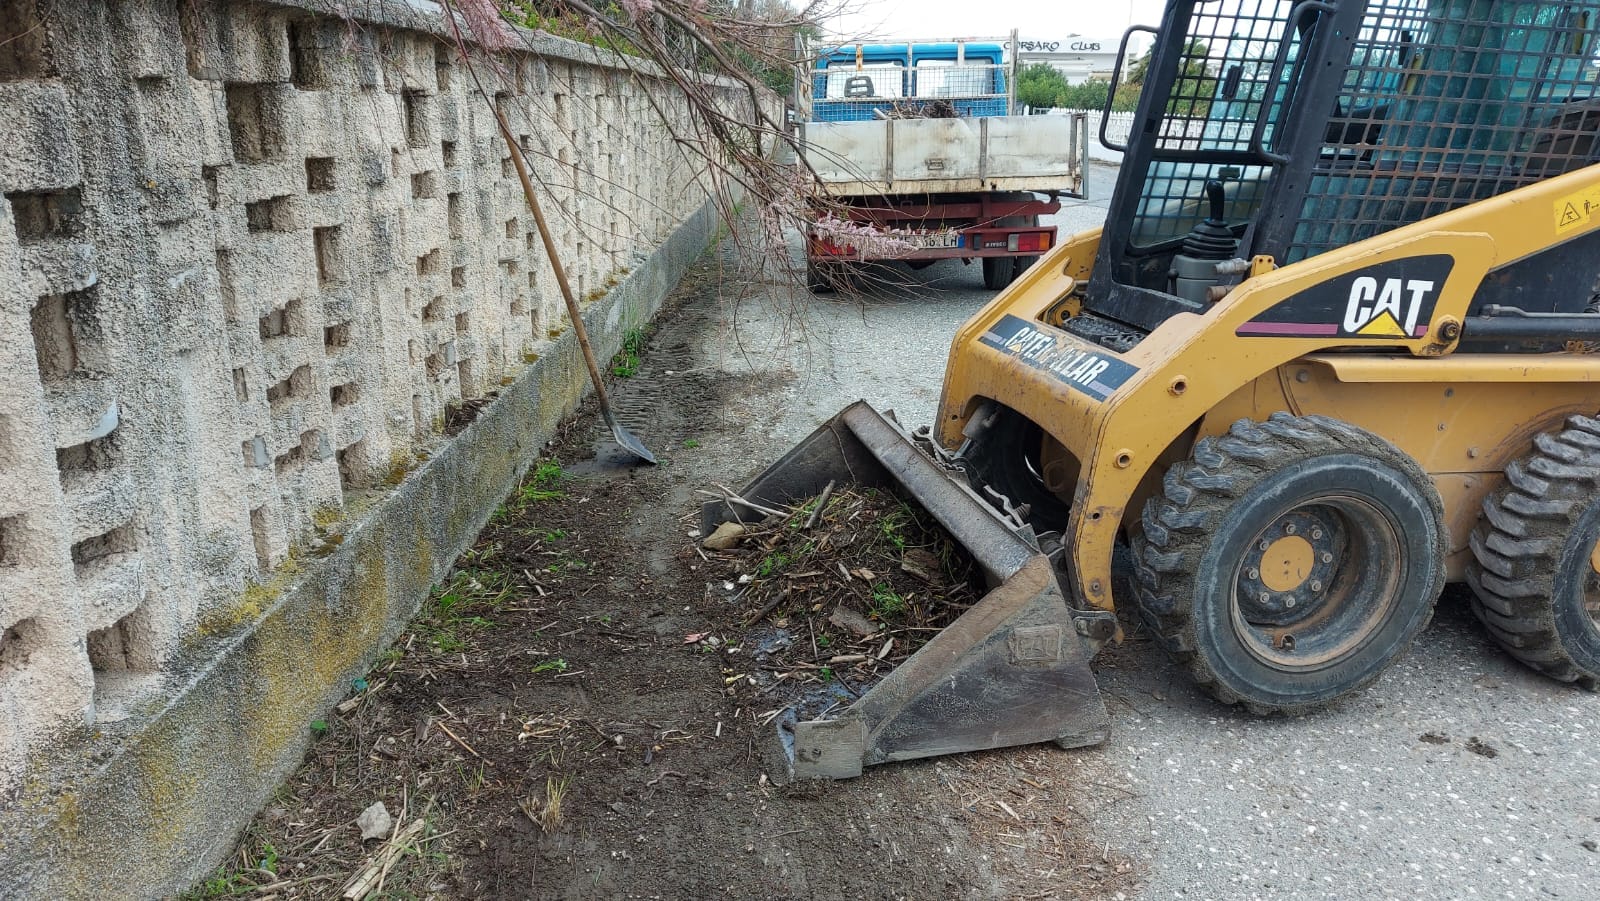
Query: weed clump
{"x":625,"y":364}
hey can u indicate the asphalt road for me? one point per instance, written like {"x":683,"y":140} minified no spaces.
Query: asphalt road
{"x":1498,"y":800}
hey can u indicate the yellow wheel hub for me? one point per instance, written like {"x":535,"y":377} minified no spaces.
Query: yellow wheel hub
{"x":1288,"y":561}
{"x":1594,"y":557}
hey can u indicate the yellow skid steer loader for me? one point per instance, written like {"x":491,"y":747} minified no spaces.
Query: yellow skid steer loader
{"x":1331,"y":349}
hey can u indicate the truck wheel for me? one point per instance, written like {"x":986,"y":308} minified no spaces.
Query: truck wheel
{"x":1289,"y":562}
{"x":998,"y":272}
{"x":1010,"y":464}
{"x":1535,"y":574}
{"x":823,"y":278}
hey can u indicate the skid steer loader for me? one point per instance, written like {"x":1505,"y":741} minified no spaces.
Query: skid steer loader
{"x":1330,"y":350}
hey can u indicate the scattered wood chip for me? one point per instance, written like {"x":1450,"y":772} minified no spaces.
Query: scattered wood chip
{"x":365,"y":881}
{"x":725,"y":538}
{"x":921,"y":564}
{"x":850,"y":620}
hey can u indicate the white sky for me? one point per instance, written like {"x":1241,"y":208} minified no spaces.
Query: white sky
{"x":1102,"y":20}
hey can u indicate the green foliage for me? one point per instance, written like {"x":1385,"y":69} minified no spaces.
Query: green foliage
{"x":552,"y":17}
{"x":893,"y":525}
{"x":690,"y":443}
{"x":771,"y":564}
{"x":1040,"y":85}
{"x":626,"y":363}
{"x":245,"y":880}
{"x":886,"y":603}
{"x":457,"y":608}
{"x":553,"y":665}
{"x":567,"y":563}
{"x":540,"y":485}
{"x":1194,"y":80}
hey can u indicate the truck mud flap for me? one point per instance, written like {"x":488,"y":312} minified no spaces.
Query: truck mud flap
{"x":1012,"y":670}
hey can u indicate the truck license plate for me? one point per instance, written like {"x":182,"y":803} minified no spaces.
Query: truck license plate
{"x":939,"y":239}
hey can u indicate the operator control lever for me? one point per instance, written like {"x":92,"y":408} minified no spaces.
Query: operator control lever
{"x":1211,"y":241}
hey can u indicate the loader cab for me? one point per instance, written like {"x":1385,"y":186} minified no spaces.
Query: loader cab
{"x":1289,"y":129}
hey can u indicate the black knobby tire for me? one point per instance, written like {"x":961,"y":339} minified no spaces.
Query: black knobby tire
{"x":1010,"y":463}
{"x":999,"y":272}
{"x":1214,"y":582}
{"x":1533,"y":573}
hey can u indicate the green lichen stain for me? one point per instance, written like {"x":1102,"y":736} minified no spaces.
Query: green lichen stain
{"x":255,"y":600}
{"x":326,"y":516}
{"x":401,"y":464}
{"x":169,"y":784}
{"x":67,"y":814}
{"x":422,"y":555}
{"x":297,"y":656}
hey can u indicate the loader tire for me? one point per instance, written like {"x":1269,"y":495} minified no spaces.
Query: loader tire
{"x":1534,"y":574}
{"x":1010,"y":464}
{"x":1287,"y":563}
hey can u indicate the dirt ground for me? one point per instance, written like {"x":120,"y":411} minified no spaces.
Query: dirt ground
{"x":555,"y":724}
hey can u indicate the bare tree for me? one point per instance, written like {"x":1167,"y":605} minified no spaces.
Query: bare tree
{"x":734,"y":64}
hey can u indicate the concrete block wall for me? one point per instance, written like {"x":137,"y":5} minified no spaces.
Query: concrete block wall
{"x":250,"y":254}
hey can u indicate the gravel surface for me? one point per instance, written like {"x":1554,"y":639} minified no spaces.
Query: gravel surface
{"x":1460,"y":774}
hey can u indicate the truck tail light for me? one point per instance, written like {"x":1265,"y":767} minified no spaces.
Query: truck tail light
{"x":1031,"y":242}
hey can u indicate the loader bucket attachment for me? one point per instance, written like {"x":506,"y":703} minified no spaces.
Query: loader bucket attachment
{"x":1012,"y":670}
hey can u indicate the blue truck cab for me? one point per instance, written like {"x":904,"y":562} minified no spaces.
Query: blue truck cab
{"x":857,"y":81}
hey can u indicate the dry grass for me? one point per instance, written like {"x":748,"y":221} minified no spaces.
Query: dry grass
{"x":1035,"y":809}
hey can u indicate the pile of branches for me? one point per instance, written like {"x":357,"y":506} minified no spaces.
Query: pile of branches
{"x":839,"y":592}
{"x":920,"y":109}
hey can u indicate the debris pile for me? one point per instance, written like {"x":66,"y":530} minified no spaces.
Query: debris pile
{"x":919,"y":109}
{"x":836,"y":593}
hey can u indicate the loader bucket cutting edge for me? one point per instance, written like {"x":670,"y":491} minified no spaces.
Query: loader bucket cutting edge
{"x":1011,"y":670}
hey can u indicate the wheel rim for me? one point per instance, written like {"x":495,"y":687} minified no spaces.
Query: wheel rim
{"x":1317,"y":583}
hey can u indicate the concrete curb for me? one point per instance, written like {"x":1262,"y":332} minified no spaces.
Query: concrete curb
{"x":149,"y":807}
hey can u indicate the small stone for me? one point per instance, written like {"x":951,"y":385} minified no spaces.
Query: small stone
{"x":1590,"y":844}
{"x":375,"y":821}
